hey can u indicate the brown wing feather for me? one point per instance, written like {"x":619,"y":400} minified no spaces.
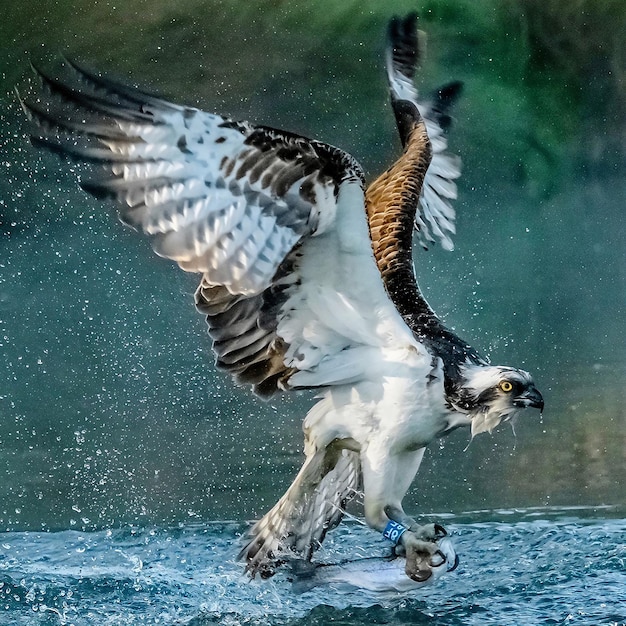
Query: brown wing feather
{"x":244,"y":346}
{"x":391,"y":202}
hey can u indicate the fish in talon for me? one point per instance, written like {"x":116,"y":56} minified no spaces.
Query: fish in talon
{"x":384,"y":575}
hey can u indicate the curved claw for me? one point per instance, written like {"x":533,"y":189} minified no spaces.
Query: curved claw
{"x":419,"y":576}
{"x":440,"y":531}
{"x":455,"y":564}
{"x":441,"y":555}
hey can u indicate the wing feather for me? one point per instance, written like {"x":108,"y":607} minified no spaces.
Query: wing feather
{"x":238,"y":204}
{"x":435,"y":215}
{"x":415,"y":192}
{"x":313,"y":505}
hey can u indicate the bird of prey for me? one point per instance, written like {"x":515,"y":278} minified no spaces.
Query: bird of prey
{"x":306,"y":282}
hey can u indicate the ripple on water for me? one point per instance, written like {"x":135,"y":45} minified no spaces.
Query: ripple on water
{"x":560,"y":570}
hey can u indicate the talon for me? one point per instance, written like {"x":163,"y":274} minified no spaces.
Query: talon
{"x":455,"y":564}
{"x":419,"y":557}
{"x":442,"y":556}
{"x":419,"y":576}
{"x":440,"y":531}
{"x":424,"y":557}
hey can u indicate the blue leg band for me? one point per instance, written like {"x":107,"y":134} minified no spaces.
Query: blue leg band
{"x":394,"y":531}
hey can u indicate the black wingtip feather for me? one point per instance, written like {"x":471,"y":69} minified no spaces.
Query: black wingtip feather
{"x":448,"y":94}
{"x":129,"y":94}
{"x":48,"y":144}
{"x":54,"y":123}
{"x":443,"y":100}
{"x":67,"y":147}
{"x":97,"y":190}
{"x":91,"y":102}
{"x":404,"y":41}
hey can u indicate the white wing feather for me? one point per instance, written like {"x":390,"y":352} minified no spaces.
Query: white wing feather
{"x":274,"y":222}
{"x":435,"y":215}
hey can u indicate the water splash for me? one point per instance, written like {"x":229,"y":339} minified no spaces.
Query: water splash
{"x":540,"y":566}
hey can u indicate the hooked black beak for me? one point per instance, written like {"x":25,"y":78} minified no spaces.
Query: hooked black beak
{"x":531,"y":397}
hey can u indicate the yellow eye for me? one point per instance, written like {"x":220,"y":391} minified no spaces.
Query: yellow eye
{"x":506,"y":386}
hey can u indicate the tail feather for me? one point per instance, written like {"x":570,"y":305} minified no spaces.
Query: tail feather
{"x":313,"y":505}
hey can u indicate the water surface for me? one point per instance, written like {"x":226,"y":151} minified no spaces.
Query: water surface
{"x":545,"y":566}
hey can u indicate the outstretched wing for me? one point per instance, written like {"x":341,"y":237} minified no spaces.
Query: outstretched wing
{"x":251,"y":208}
{"x":415,"y":192}
{"x":435,"y":216}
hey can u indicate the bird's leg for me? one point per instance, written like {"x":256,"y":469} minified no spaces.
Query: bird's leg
{"x":386,"y":479}
{"x":397,"y":514}
{"x":418,"y":544}
{"x":426,"y":532}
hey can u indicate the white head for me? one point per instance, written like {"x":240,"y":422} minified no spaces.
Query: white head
{"x":490,"y":394}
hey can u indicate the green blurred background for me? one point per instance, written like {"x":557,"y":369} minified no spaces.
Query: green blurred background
{"x":110,"y":409}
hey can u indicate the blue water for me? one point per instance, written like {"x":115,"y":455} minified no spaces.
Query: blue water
{"x":542,"y":566}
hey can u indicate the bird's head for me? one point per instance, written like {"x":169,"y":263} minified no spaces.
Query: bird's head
{"x":492,"y":394}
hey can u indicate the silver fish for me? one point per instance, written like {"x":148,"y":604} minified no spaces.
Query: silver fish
{"x":376,"y":574}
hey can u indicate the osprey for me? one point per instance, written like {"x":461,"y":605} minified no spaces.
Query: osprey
{"x":307,"y":282}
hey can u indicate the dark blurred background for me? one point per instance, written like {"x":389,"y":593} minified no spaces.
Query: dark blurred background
{"x":111,"y":411}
